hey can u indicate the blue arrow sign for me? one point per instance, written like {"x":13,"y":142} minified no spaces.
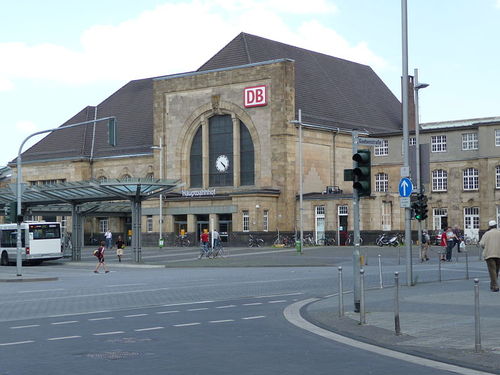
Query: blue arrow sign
{"x":405,"y":187}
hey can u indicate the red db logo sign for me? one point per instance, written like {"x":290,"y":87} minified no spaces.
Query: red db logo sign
{"x":255,"y":96}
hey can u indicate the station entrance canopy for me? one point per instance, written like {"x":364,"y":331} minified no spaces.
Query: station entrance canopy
{"x":76,"y":198}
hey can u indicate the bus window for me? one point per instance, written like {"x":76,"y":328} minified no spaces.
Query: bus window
{"x":44,"y":231}
{"x":9,"y":238}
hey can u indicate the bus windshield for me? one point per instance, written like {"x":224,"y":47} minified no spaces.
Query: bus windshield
{"x":44,"y":231}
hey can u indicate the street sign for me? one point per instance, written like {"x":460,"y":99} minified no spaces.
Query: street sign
{"x":404,"y":202}
{"x":369,"y":141}
{"x":405,"y":187}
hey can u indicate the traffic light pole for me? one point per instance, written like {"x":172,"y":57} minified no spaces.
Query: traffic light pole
{"x":356,"y":259}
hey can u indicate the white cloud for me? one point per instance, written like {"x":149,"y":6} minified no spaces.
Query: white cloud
{"x":26,"y":127}
{"x":174,"y":38}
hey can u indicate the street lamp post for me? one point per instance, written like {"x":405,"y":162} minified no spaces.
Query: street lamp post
{"x":160,"y":147}
{"x":111,"y":139}
{"x":417,"y":86}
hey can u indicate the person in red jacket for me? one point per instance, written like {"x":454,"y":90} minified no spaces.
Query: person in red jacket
{"x":204,"y":238}
{"x":443,"y":244}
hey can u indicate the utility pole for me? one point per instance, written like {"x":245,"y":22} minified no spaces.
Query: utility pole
{"x":356,"y":259}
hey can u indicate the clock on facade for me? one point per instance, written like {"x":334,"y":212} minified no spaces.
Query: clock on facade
{"x":222,"y":163}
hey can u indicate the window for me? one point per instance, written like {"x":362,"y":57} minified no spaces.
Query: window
{"x":383,"y":149}
{"x":343,"y":210}
{"x":497,"y":137}
{"x":497,"y":175}
{"x":220,"y":142}
{"x":440,"y":218}
{"x":439,"y":180}
{"x":103,"y":224}
{"x":266,"y":220}
{"x":469,"y":141}
{"x":381,"y":182}
{"x":320,"y":225}
{"x":149,"y":223}
{"x":195,"y":160}
{"x":471,"y":179}
{"x":246,"y":221}
{"x":438,"y":143}
{"x":246,"y":156}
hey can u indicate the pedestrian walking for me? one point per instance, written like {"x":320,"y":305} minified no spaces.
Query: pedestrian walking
{"x":109,"y":239}
{"x":120,"y":245}
{"x":443,"y":245}
{"x":450,"y":243}
{"x":216,"y":237}
{"x":490,"y":242}
{"x":424,"y":247}
{"x":99,"y":253}
{"x":204,"y":238}
{"x":458,"y":237}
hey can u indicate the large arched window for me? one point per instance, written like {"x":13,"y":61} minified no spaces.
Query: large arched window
{"x":224,"y":169}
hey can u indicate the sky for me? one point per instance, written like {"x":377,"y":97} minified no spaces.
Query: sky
{"x":58,"y":56}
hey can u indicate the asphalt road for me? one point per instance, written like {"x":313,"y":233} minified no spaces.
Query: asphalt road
{"x":207,"y":320}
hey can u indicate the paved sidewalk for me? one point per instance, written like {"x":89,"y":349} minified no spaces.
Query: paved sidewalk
{"x":437,"y":321}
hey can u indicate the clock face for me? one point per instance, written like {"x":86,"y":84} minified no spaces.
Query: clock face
{"x":222,"y":163}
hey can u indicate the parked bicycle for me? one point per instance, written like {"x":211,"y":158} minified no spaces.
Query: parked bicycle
{"x":308,"y":240}
{"x":350,"y":239}
{"x":182,"y":241}
{"x":254,"y":241}
{"x":218,"y":251}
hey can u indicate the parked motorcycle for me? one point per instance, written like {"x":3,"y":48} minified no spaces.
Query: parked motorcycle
{"x":386,"y":240}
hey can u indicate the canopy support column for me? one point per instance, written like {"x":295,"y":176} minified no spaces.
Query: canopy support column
{"x":136,"y":229}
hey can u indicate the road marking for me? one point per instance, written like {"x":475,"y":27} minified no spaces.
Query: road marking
{"x":66,"y":322}
{"x":122,"y":285}
{"x":277,"y":301}
{"x":186,"y":324}
{"x":105,"y":318}
{"x":221,"y":321}
{"x":30,"y":326}
{"x":200,"y":309}
{"x":252,"y":304}
{"x":39,"y":290}
{"x":225,"y":307}
{"x":108,"y":333}
{"x":187,"y":303}
{"x":280,"y":295}
{"x":292,"y":314}
{"x":17,"y":343}
{"x":63,"y":338}
{"x":148,"y":329}
{"x":81,"y":313}
{"x":135,"y":315}
{"x":167,"y":312}
{"x":254,"y":317}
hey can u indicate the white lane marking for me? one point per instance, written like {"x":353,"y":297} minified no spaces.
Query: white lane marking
{"x":187,"y":303}
{"x":254,"y":317}
{"x":199,"y":309}
{"x":167,"y":312}
{"x":105,"y":318}
{"x":81,"y":313}
{"x":30,"y":326}
{"x":66,"y":322}
{"x":122,"y":285}
{"x":63,"y":338}
{"x":221,"y":321}
{"x":277,"y":301}
{"x":148,"y":329}
{"x":252,"y":304}
{"x":17,"y":343}
{"x":39,"y":290}
{"x":292,"y":314}
{"x":280,"y":295}
{"x":134,"y":315}
{"x":225,"y":307}
{"x":108,"y":333}
{"x":186,"y":324}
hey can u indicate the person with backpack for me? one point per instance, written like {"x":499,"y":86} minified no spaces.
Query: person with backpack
{"x":120,"y":245}
{"x":425,"y":246}
{"x":99,"y":253}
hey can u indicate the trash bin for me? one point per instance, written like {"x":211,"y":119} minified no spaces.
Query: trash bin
{"x":160,"y":242}
{"x":298,"y":246}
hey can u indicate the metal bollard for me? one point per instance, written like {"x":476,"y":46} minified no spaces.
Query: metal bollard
{"x":477,"y":319}
{"x":466,"y":265}
{"x":380,"y":272}
{"x":341,"y":294}
{"x":397,"y":324}
{"x":362,"y":316}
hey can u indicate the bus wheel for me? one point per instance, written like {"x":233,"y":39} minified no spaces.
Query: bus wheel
{"x":4,"y":261}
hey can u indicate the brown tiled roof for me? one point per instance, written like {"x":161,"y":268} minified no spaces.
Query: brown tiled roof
{"x":329,"y":91}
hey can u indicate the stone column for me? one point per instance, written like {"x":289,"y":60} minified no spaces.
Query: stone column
{"x":191,"y":224}
{"x":236,"y":151}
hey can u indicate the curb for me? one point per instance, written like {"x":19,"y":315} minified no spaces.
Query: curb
{"x":28,"y":279}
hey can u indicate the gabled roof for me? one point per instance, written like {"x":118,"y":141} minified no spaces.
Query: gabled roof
{"x":329,"y":91}
{"x":132,"y":105}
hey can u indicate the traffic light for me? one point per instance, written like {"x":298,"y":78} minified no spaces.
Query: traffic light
{"x":11,"y":212}
{"x":420,"y":207}
{"x":362,"y":173}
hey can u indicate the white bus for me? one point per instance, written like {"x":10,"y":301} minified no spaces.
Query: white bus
{"x":40,"y":241}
